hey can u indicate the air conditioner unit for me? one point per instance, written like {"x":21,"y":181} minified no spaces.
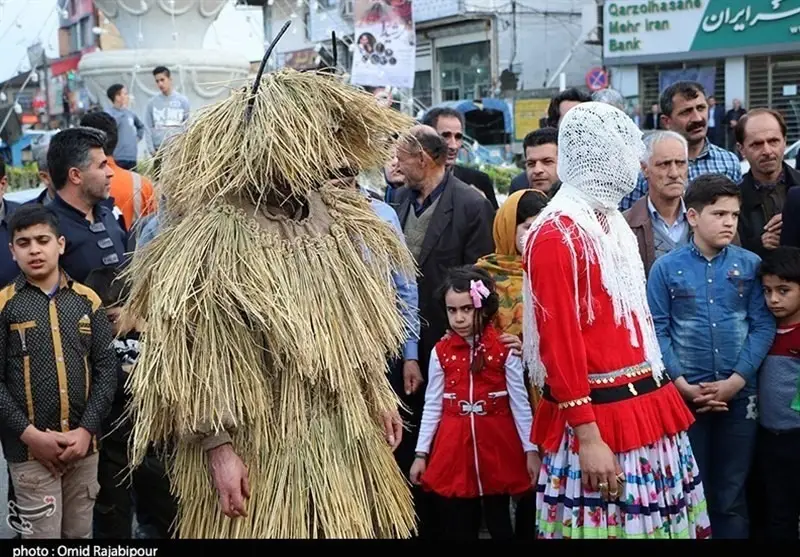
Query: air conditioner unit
{"x":346,"y":8}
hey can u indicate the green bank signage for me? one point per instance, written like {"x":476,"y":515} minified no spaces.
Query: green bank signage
{"x":636,"y":28}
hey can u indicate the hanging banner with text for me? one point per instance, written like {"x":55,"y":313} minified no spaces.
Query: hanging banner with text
{"x":635,"y":28}
{"x":385,"y":44}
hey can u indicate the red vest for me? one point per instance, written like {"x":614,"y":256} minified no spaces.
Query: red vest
{"x":476,"y":449}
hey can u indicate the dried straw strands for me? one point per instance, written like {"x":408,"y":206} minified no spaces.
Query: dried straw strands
{"x":275,"y":329}
{"x":304,"y":126}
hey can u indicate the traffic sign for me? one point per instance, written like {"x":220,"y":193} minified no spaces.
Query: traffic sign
{"x":596,"y":79}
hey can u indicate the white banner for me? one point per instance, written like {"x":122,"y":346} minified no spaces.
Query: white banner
{"x":385,"y":44}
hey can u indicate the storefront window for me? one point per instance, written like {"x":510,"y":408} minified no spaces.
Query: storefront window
{"x":81,"y":35}
{"x":422,"y":90}
{"x":466,"y":71}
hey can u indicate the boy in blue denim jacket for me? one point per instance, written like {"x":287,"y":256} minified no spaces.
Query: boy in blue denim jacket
{"x":714,"y":330}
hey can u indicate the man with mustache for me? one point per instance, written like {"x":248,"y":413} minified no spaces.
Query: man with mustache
{"x":659,"y":218}
{"x":761,"y":138}
{"x":684,"y":110}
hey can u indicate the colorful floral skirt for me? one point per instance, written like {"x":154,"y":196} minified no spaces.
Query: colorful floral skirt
{"x":662,"y":496}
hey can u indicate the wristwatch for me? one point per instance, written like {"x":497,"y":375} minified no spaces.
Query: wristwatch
{"x":423,"y":456}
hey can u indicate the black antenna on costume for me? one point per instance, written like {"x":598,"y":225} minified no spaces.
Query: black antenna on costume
{"x":335,"y":56}
{"x":249,"y":110}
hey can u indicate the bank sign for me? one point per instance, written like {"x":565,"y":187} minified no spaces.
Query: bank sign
{"x":638,"y":28}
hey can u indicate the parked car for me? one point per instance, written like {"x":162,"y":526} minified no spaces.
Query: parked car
{"x":790,"y":156}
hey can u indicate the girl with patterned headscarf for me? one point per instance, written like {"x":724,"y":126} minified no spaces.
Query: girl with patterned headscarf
{"x":512,"y":221}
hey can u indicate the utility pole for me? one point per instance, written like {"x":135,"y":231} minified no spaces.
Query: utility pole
{"x":14,"y":104}
{"x":513,"y":35}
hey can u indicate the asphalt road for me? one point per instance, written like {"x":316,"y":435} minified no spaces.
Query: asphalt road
{"x":5,"y":531}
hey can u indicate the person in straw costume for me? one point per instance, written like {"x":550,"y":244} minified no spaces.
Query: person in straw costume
{"x":270,"y":315}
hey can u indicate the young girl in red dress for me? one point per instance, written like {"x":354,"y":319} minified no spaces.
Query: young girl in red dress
{"x":473,"y":451}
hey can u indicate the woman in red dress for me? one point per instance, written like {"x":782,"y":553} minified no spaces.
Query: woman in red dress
{"x":611,"y":428}
{"x":476,"y":416}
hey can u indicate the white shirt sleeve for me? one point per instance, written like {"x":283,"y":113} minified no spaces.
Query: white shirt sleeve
{"x":520,"y":405}
{"x":432,"y":411}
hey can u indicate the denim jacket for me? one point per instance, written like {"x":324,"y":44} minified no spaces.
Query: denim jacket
{"x":710,"y":316}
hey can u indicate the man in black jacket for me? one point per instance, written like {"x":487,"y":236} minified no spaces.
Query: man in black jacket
{"x":540,"y":148}
{"x":446,"y":224}
{"x":449,"y":123}
{"x":8,"y":267}
{"x":790,"y":234}
{"x":761,"y":139}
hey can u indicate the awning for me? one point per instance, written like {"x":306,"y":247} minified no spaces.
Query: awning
{"x":488,"y":103}
{"x":66,"y":64}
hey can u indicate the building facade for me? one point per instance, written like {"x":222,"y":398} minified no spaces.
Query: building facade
{"x":465,"y":49}
{"x":82,"y":29}
{"x":746,"y":51}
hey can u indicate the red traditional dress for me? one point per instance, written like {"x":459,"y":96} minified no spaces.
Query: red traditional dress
{"x":478,"y":423}
{"x":595,"y":374}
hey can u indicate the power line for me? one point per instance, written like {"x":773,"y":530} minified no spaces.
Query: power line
{"x":55,"y":8}
{"x":14,"y":22}
{"x":33,"y":70}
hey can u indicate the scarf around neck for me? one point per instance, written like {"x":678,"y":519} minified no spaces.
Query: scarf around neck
{"x":505,"y":266}
{"x":506,"y":270}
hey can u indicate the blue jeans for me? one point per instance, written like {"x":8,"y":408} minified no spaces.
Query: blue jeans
{"x":723,"y":444}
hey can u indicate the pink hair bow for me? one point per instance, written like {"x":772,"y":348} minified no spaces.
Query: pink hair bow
{"x":478,"y":291}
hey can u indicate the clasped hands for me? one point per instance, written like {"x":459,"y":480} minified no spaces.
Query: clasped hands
{"x":56,"y":450}
{"x":712,"y":396}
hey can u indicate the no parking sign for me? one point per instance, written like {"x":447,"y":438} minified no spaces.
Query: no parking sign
{"x":596,"y":79}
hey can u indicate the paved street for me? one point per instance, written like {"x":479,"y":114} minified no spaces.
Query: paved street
{"x":5,"y":531}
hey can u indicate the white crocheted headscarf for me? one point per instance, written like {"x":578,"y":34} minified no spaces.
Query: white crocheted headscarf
{"x":599,"y":154}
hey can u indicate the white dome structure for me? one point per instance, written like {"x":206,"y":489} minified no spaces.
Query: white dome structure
{"x":164,"y":33}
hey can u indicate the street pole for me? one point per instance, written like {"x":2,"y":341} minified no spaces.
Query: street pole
{"x":555,"y":75}
{"x":14,"y":104}
{"x":47,"y":91}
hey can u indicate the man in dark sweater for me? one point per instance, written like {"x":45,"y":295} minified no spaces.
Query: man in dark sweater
{"x":146,"y":494}
{"x":449,"y":123}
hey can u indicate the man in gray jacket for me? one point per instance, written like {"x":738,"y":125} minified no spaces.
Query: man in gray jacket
{"x":130,"y":129}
